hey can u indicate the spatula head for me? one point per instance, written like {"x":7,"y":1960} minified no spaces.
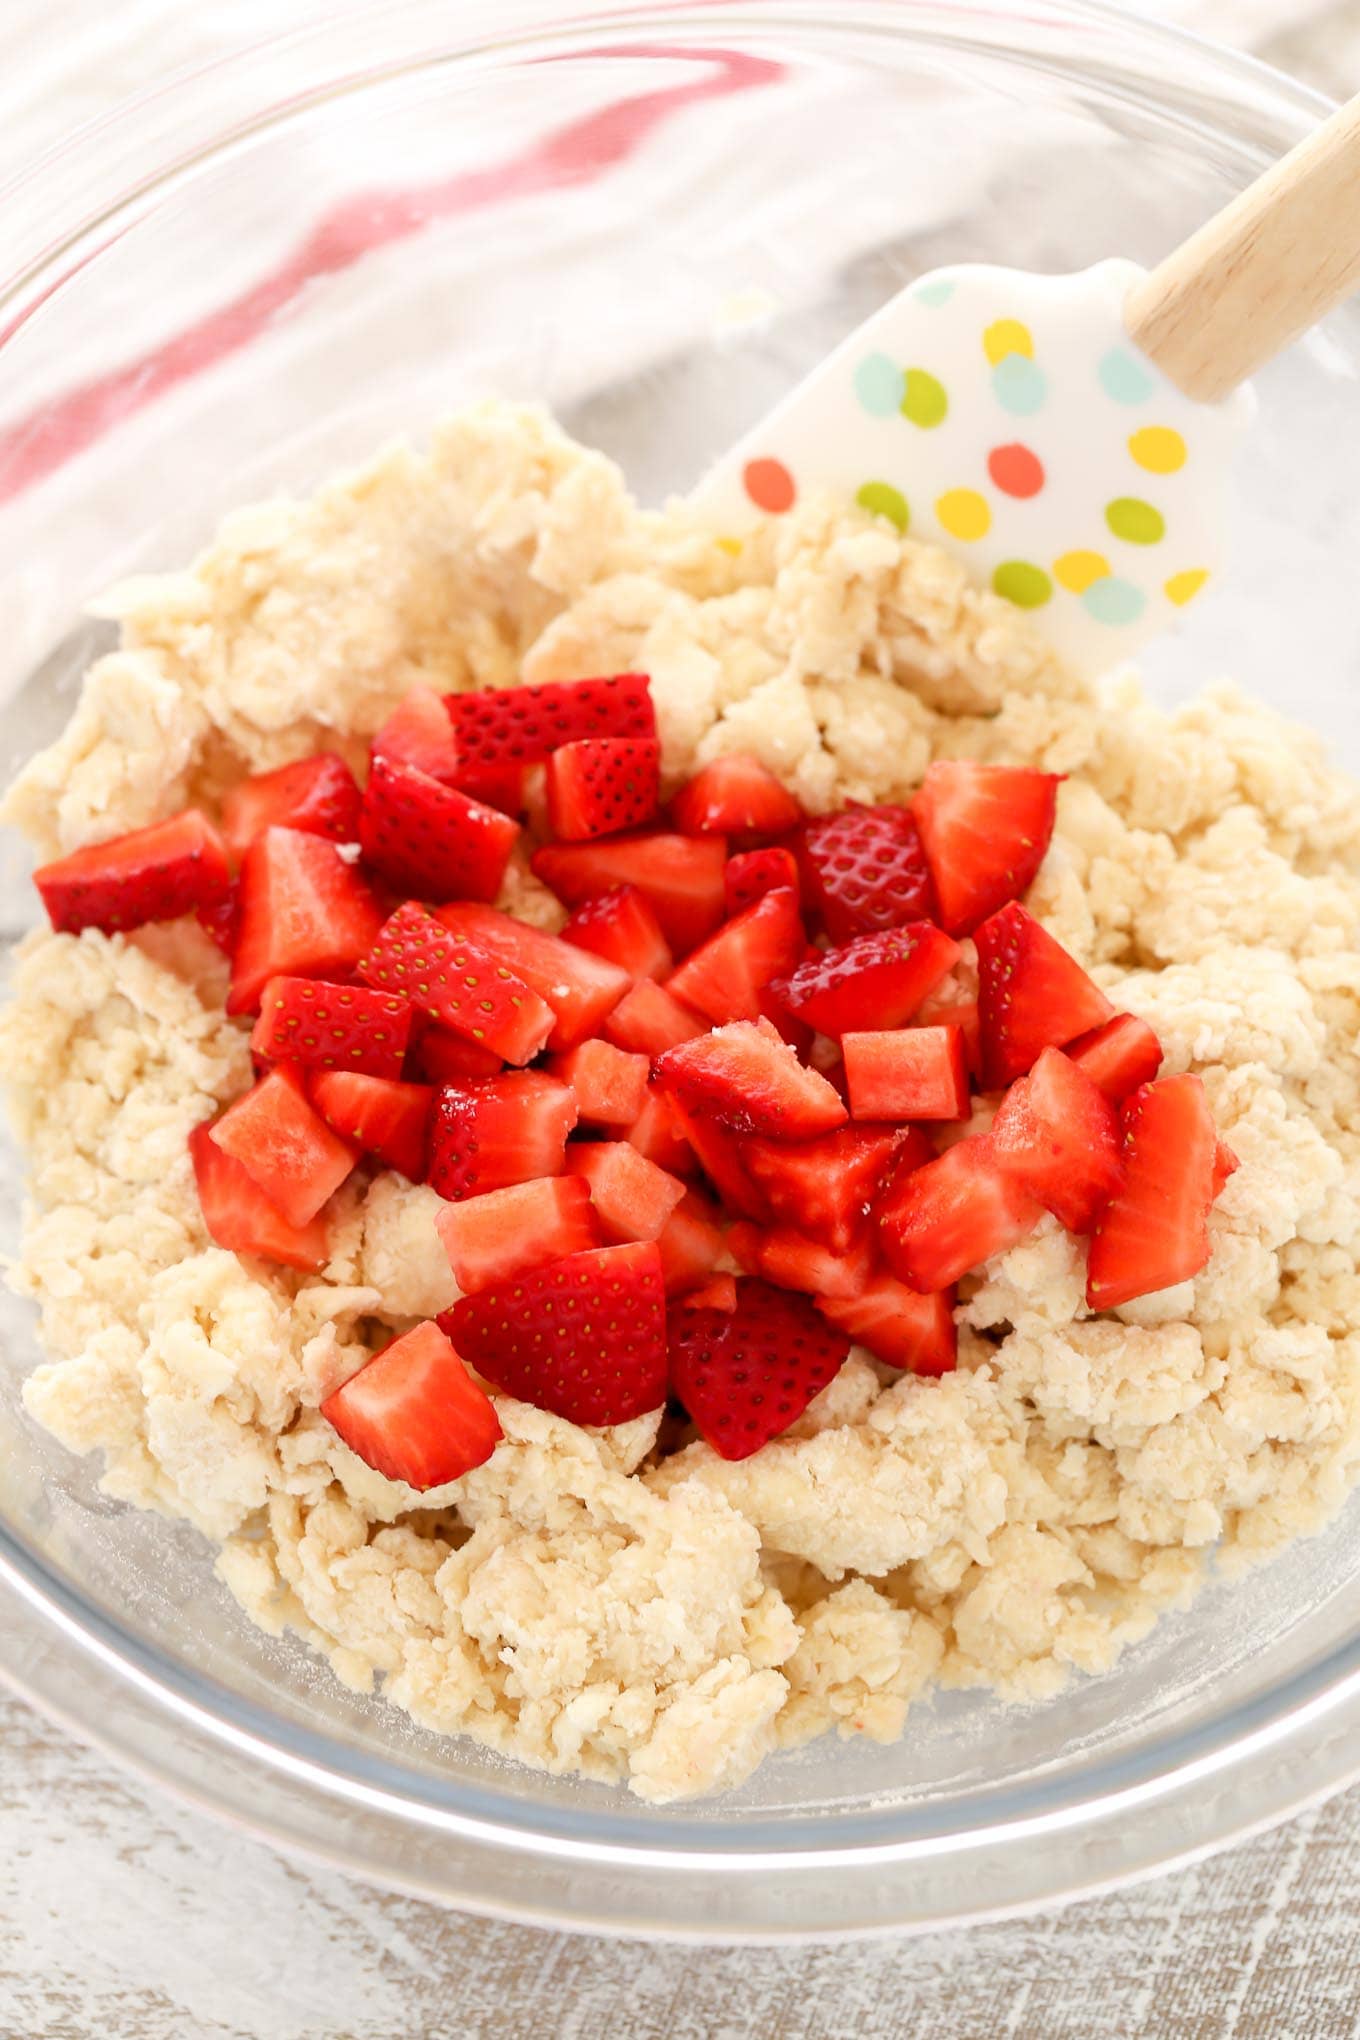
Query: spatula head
{"x":1010,"y":419}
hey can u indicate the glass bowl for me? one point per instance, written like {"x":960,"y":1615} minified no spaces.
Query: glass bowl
{"x":653,"y":219}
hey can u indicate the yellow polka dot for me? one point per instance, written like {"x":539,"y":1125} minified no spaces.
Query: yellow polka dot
{"x":1182,"y":588}
{"x":1006,"y":336}
{"x":728,"y":545}
{"x":1158,"y":449}
{"x":1077,"y":570}
{"x":963,"y":513}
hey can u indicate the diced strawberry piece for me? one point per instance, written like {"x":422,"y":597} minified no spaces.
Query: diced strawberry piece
{"x":1059,"y":1137}
{"x":348,"y":1027}
{"x":680,"y":876}
{"x":610,"y":1085}
{"x":431,"y":840}
{"x":491,"y":1237}
{"x":1154,"y":1232}
{"x":913,"y":1150}
{"x":241,"y":1218}
{"x":633,"y":1198}
{"x":725,"y":977}
{"x":305,"y":912}
{"x":864,"y":868}
{"x":584,"y":1338}
{"x":436,"y":1055}
{"x":718,"y":1293}
{"x":1119,"y":1056}
{"x":746,"y":1374}
{"x":285,"y":1146}
{"x":878,"y":980}
{"x":621,"y":927}
{"x":419,"y":733}
{"x":795,"y":1262}
{"x":720,"y":1156}
{"x":750,"y":1081}
{"x":907,"y":1073}
{"x":797,"y":1033}
{"x":1226,"y":1164}
{"x":508,"y":1129}
{"x":1032,"y":995}
{"x":385,"y":1119}
{"x":603,"y":784}
{"x":735,"y":796}
{"x":753,"y":873}
{"x":985,"y":829}
{"x":222,"y":919}
{"x":524,"y":725}
{"x":691,"y":1244}
{"x":649,"y":1020}
{"x":414,"y":1413}
{"x":580,"y":988}
{"x":153,"y":874}
{"x":656,"y":1134}
{"x":459,"y":983}
{"x":945,"y":1009}
{"x":897,"y":1326}
{"x":957,"y":1212}
{"x":317,"y":795}
{"x":824,"y":1187}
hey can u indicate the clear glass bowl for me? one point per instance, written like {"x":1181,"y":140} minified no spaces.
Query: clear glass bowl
{"x":652,"y":219}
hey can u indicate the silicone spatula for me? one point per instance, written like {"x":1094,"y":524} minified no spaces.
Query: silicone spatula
{"x":1070,"y":437}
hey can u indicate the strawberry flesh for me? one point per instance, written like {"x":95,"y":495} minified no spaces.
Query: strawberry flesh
{"x":795,"y":1262}
{"x":387,"y":1120}
{"x":317,"y":795}
{"x":877,"y":980}
{"x":241,"y":1218}
{"x":430,"y":840}
{"x":490,"y":1238}
{"x":1154,"y":1232}
{"x":621,"y":927}
{"x":508,"y":1129}
{"x":459,"y":983}
{"x":725,"y":977}
{"x":599,"y":785}
{"x":1059,"y":1137}
{"x":285,"y":1146}
{"x":750,"y":1081}
{"x":721,"y":1157}
{"x":656,"y":1133}
{"x":350,"y":1027}
{"x":958,"y":1211}
{"x":649,"y":1020}
{"x":419,"y":733}
{"x":436,"y":1055}
{"x":633,"y":1199}
{"x":521,"y":726}
{"x":1032,"y":995}
{"x":691,"y":1244}
{"x":681,"y":877}
{"x":580,"y":988}
{"x":753,"y":873}
{"x":1119,"y":1056}
{"x":864,"y":868}
{"x":414,"y":1413}
{"x":824,"y":1187}
{"x":907,"y":1073}
{"x":153,"y":874}
{"x":305,"y":912}
{"x":735,"y":796}
{"x":745,"y":1374}
{"x":897,"y":1326}
{"x":985,"y":829}
{"x":609,"y":1084}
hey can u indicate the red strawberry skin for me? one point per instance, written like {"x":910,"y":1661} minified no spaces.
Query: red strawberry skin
{"x":865,"y":868}
{"x":877,"y":980}
{"x":825,"y":1188}
{"x":985,"y":829}
{"x":332,"y":1027}
{"x":429,"y":839}
{"x":524,"y":725}
{"x":387,"y":1120}
{"x":581,"y":989}
{"x":897,"y":1326}
{"x":1057,"y":1135}
{"x":1118,"y":1057}
{"x":907,"y":1073}
{"x":153,"y":874}
{"x":1032,"y":995}
{"x":509,"y":1129}
{"x":458,"y":983}
{"x":603,"y":784}
{"x":735,"y":796}
{"x":305,"y":912}
{"x":621,"y":927}
{"x":285,"y":1146}
{"x":1154,"y":1232}
{"x":938,"y":1222}
{"x":726,"y":976}
{"x":750,"y":1081}
{"x":491,"y":1238}
{"x":317,"y":795}
{"x":746,"y":1374}
{"x":241,"y":1218}
{"x":680,"y":876}
{"x":414,"y":1413}
{"x":583,"y":1337}
{"x":419,"y":733}
{"x":436,"y":1055}
{"x":753,"y":873}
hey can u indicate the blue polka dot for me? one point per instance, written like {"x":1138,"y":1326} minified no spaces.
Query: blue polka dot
{"x":879,"y":385}
{"x":1019,"y":385}
{"x":933,"y":290}
{"x":1110,"y":600}
{"x":1124,"y":377}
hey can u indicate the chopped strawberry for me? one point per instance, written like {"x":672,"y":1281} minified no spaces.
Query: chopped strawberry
{"x":508,"y":1129}
{"x":656,"y":1134}
{"x":1031,"y":995}
{"x":154,"y":874}
{"x":795,"y":1262}
{"x":957,"y":1212}
{"x":753,"y":873}
{"x":797,"y":1033}
{"x":584,"y":1338}
{"x":691,"y":1244}
{"x":414,"y":1413}
{"x":720,"y":1156}
{"x":825,"y":1187}
{"x":581,"y":989}
{"x":725,"y":977}
{"x":735,"y":796}
{"x":524,"y":725}
{"x":419,"y":733}
{"x":459,"y":983}
{"x":718,"y":1293}
{"x":746,"y":1374}
{"x":649,"y":1020}
{"x":633,"y":1198}
{"x":436,"y":1055}
{"x":985,"y":830}
{"x":750,"y":1081}
{"x":222,"y":919}
{"x":1226,"y":1164}
{"x":305,"y":912}
{"x":1155,"y":1232}
{"x":897,"y":1326}
{"x":907,"y":1073}
{"x":865,"y":868}
{"x":610,"y":1085}
{"x":1059,"y":1137}
{"x":387,"y":1120}
{"x":285,"y":1146}
{"x":680,"y":876}
{"x":946,"y":1008}
{"x":317,"y":795}
{"x":621,"y":927}
{"x":241,"y":1218}
{"x":600,"y":785}
{"x":348,"y":1027}
{"x":491,"y":1237}
{"x":1119,"y":1056}
{"x":431,"y":840}
{"x":913,"y":1150}
{"x":877,"y":980}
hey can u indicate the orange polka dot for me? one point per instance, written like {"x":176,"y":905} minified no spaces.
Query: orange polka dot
{"x":769,"y":485}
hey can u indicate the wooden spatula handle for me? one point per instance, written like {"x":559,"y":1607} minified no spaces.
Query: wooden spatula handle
{"x":1264,"y":270}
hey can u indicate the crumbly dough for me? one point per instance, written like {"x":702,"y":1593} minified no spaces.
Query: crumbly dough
{"x":580,"y":1602}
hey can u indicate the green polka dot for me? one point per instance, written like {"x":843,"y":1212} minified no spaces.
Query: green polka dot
{"x":924,"y":402}
{"x":1022,"y":583}
{"x":1130,"y":518}
{"x":885,"y":501}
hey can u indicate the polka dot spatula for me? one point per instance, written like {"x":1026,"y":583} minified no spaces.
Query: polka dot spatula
{"x":1069,"y":437}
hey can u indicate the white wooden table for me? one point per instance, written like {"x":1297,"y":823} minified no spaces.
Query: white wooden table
{"x":125,"y":1917}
